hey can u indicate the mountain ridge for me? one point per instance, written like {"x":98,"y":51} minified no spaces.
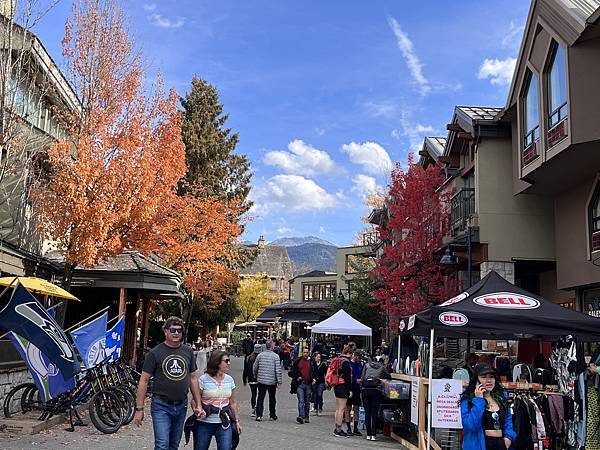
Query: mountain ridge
{"x":297,"y":241}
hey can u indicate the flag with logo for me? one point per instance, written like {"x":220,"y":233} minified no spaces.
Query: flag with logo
{"x":90,"y":340}
{"x":26,"y":317}
{"x":114,"y":340}
{"x":45,"y":374}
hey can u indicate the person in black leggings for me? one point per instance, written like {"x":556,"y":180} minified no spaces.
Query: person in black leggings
{"x":486,"y":417}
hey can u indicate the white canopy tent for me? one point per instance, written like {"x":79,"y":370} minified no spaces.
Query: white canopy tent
{"x":342,"y":323}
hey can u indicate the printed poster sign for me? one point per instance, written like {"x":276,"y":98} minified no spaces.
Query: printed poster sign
{"x":445,"y":403}
{"x":414,"y":400}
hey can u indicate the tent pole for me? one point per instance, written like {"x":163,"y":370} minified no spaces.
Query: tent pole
{"x":429,"y":390}
{"x":398,"y":363}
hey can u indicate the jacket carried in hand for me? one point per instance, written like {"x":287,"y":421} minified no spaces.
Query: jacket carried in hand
{"x":472,"y":414}
{"x":267,"y":368}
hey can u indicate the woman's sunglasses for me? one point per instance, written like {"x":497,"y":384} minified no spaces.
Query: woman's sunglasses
{"x":227,"y":361}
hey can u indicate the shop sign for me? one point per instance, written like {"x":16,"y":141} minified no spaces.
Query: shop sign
{"x":453,"y":300}
{"x":411,"y":321}
{"x":506,"y":300}
{"x":414,"y":400}
{"x":445,"y":399}
{"x":453,"y":319}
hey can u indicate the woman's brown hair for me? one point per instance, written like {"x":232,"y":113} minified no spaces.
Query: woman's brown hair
{"x":347,"y":349}
{"x":212,"y":367}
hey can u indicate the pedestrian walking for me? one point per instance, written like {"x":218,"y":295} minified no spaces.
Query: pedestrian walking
{"x":247,"y":345}
{"x":372,"y":374}
{"x":249,"y":378}
{"x":354,"y":403}
{"x":202,"y":356}
{"x":287,"y":354}
{"x":343,"y":388}
{"x":299,"y":347}
{"x":219,"y":416}
{"x":319,"y":369}
{"x":173,"y":366}
{"x":302,"y":382}
{"x":267,"y":371}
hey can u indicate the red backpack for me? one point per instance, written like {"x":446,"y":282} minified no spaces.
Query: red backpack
{"x":333,"y":376}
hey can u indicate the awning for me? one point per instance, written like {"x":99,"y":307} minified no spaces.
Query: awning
{"x":301,"y":316}
{"x":268,"y":315}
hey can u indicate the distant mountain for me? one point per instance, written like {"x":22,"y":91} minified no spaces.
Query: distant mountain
{"x":312,"y":256}
{"x":296,"y":241}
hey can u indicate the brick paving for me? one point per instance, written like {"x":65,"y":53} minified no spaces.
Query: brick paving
{"x":285,"y":433}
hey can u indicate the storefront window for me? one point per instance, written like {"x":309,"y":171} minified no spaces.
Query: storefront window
{"x":591,"y":302}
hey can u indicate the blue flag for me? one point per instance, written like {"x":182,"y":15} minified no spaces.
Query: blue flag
{"x":90,"y":340}
{"x":26,"y":317}
{"x":114,"y":340}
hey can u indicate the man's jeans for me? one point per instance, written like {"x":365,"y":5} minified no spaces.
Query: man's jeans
{"x":303,"y":392}
{"x":203,"y":433}
{"x":167,"y":421}
{"x":260,"y":403}
{"x":317,"y":392}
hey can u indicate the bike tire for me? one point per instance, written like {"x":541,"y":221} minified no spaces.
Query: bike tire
{"x":13,"y":400}
{"x":128,"y":402}
{"x":31,"y":399}
{"x":106,"y":411}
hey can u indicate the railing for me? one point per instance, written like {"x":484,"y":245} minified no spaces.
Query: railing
{"x":371,"y":238}
{"x":462,"y":208}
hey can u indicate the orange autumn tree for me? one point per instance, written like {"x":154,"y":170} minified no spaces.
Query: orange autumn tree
{"x":113,"y":184}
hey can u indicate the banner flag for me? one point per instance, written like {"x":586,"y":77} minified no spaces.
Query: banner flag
{"x":114,"y":340}
{"x":26,"y":317}
{"x":90,"y":340}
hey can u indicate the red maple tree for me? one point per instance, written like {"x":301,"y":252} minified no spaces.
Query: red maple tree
{"x":409,"y":273}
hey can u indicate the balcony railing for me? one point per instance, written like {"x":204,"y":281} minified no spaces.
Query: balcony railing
{"x":462,"y":208}
{"x":371,"y":238}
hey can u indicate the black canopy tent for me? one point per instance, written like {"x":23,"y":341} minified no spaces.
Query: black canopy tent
{"x":496,"y":309}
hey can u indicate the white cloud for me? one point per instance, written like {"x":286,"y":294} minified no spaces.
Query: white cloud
{"x":512,"y":37}
{"x":499,"y":72}
{"x":410,"y":56}
{"x":365,"y":185}
{"x":322,"y":229}
{"x":320,"y":131}
{"x":380,"y":109}
{"x":292,"y":193}
{"x":372,"y":156}
{"x":302,"y":159}
{"x":415,"y":132}
{"x":164,"y":22}
{"x":149,"y":6}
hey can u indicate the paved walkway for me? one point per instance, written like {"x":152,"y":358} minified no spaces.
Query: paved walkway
{"x":285,"y":433}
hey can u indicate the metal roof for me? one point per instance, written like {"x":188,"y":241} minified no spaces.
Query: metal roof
{"x":436,"y":144}
{"x":581,"y":10}
{"x":479,"y":112}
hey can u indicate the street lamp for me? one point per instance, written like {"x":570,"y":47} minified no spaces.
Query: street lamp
{"x":450,"y":259}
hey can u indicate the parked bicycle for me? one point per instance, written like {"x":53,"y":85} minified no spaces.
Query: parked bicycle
{"x":109,"y":389}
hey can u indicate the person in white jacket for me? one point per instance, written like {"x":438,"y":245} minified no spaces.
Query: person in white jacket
{"x":267,"y":371}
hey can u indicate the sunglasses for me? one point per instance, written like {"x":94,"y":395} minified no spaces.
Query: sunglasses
{"x":175,"y":330}
{"x":227,"y":360}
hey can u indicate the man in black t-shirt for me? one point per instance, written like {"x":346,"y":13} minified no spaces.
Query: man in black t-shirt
{"x":173,"y":366}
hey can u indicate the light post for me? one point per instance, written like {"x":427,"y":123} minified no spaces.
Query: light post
{"x":449,"y":259}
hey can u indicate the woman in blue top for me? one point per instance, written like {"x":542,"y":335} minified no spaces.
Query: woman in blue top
{"x":486,"y":417}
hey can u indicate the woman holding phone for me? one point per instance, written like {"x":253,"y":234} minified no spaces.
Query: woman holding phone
{"x":486,"y":417}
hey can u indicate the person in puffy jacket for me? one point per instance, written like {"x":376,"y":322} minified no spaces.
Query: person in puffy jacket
{"x":267,"y":370}
{"x":486,"y":417}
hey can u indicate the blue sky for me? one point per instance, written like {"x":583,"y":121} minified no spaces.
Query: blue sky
{"x":326,"y":95}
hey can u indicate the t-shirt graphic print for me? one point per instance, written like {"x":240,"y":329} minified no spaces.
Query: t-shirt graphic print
{"x":175,"y":367}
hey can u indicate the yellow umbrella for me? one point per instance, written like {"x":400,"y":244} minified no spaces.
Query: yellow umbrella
{"x":38,"y":286}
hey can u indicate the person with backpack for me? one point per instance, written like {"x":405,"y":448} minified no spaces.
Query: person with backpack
{"x":372,"y":374}
{"x":319,"y":370}
{"x":339,"y":376}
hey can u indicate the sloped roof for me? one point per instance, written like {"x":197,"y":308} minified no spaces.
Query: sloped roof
{"x":315,"y":273}
{"x":130,"y":261}
{"x":580,"y":10}
{"x":479,"y":113}
{"x":272,"y":260}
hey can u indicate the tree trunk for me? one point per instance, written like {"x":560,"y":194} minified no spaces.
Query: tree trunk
{"x":67,"y":278}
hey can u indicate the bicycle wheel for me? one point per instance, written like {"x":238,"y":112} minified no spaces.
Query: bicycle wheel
{"x":106,"y":411}
{"x":13,"y":400}
{"x":31,"y":399}
{"x":128,"y":402}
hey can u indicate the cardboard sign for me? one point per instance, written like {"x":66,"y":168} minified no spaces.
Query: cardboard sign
{"x":414,"y":400}
{"x":445,"y":403}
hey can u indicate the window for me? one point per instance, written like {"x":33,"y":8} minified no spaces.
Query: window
{"x":595,"y":220}
{"x":316,"y":292}
{"x":557,"y":87}
{"x":531,"y":116}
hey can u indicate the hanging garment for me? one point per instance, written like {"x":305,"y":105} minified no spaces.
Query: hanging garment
{"x":592,"y":440}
